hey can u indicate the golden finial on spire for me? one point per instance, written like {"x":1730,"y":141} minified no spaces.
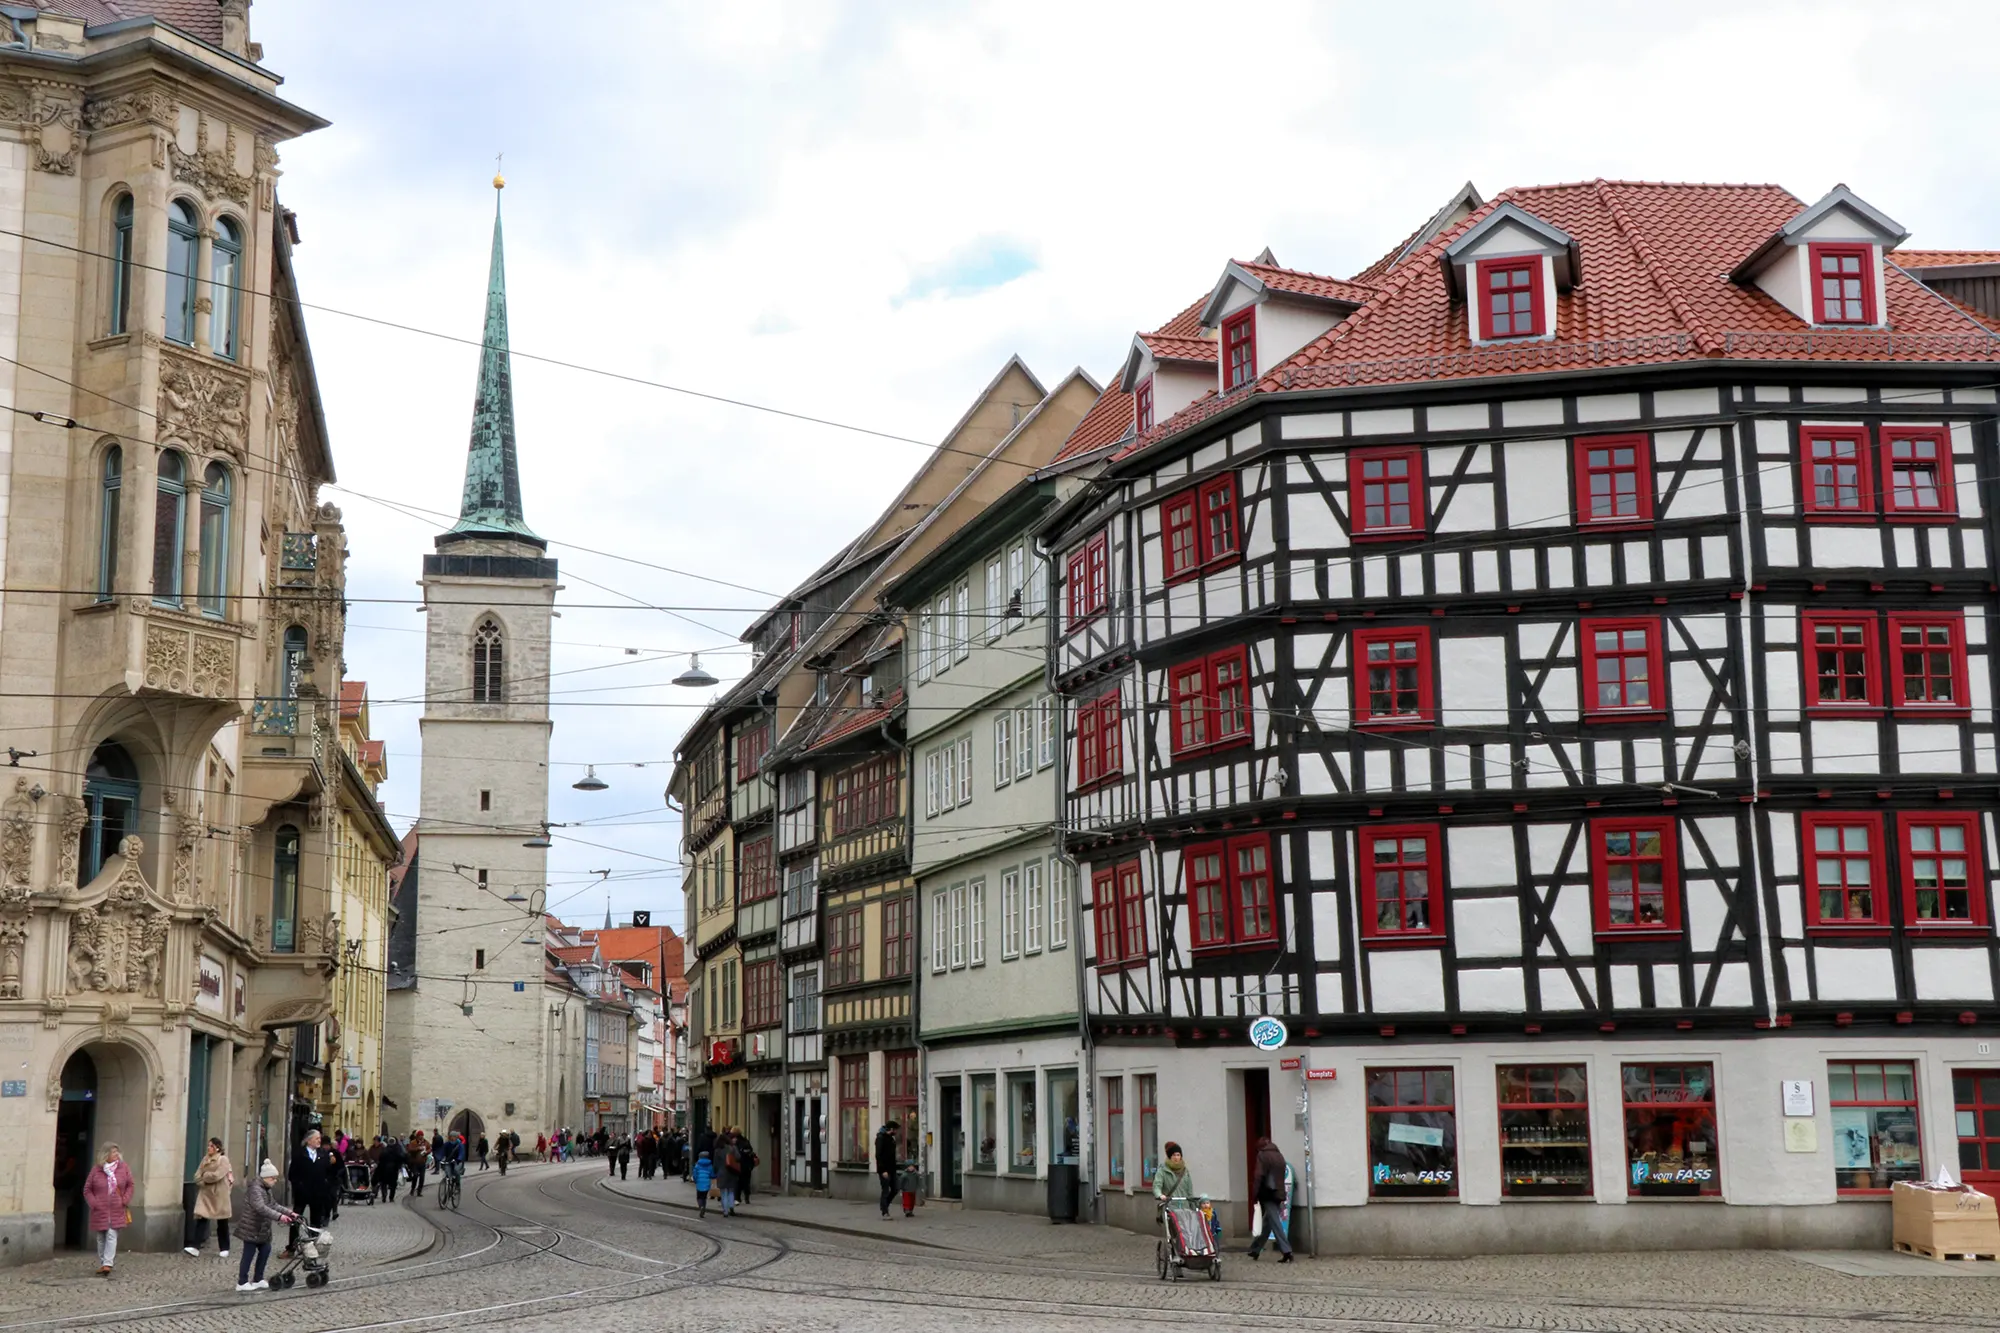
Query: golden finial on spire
{"x":499,"y":181}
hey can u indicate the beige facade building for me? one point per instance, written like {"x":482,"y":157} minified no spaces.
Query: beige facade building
{"x":167,"y":934}
{"x":364,"y":849}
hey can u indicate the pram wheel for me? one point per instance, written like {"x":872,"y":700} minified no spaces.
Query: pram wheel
{"x":1215,"y":1270}
{"x":287,"y":1280}
{"x":1160,"y":1253}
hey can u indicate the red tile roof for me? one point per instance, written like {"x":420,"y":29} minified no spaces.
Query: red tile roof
{"x":196,"y":18}
{"x":580,"y":953}
{"x":353,"y":694}
{"x":1943,"y":258}
{"x":1107,"y":420}
{"x":1301,"y":283}
{"x":1654,"y":260}
{"x":1167,"y":347}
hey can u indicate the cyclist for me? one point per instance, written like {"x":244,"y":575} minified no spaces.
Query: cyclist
{"x":450,"y":1158}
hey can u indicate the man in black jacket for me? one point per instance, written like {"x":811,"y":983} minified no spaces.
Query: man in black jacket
{"x":311,"y":1178}
{"x":887,"y":1167}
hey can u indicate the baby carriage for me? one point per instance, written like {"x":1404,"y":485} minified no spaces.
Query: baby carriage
{"x":356,"y":1184}
{"x":315,"y":1247}
{"x":1189,"y":1240}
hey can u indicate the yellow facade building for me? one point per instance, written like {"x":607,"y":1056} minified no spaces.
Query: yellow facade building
{"x":365,"y":849}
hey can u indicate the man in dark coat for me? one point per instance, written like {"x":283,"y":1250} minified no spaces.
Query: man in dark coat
{"x":389,"y":1170}
{"x":1270,"y":1194}
{"x":888,"y":1169}
{"x":312,"y":1179}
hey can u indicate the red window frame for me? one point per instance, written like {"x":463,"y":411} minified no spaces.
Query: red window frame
{"x":1841,"y":869}
{"x":1597,"y":461}
{"x":763,"y":1005}
{"x":1231,"y":893}
{"x":1239,"y":348}
{"x":1114,"y":1129}
{"x":1923,"y":845}
{"x":1428,"y":1098}
{"x":1360,"y":463}
{"x":1399,"y":865}
{"x":1198,"y":528}
{"x":1209,"y":703}
{"x":1844,"y":446}
{"x":1844,"y":649}
{"x":1938,"y":658}
{"x":1088,"y":591}
{"x":854,"y":1098}
{"x":1100,"y":741}
{"x":751,"y":746}
{"x":1118,"y":905}
{"x":1142,"y":405}
{"x":1975,"y":1093}
{"x":1669,"y":1111}
{"x":1505,"y":272}
{"x":899,"y":927}
{"x":1909,"y":502}
{"x":756,"y":870}
{"x":1854,"y":1072}
{"x":1606,"y":873}
{"x":1649,"y":657}
{"x":1422,"y":685}
{"x":899,"y":1097}
{"x":843,"y":947}
{"x":1537,"y":1122}
{"x":1834,"y":308}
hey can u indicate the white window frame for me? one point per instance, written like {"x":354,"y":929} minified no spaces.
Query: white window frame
{"x":1031,"y":910}
{"x":1045,"y":732}
{"x":948,"y":770}
{"x":965,"y":770}
{"x":996,"y":600}
{"x":941,"y":634}
{"x":940,"y":924}
{"x":1003,"y":748}
{"x":1010,"y":914}
{"x":975,"y":894}
{"x":933,"y":766}
{"x":1017,"y":587}
{"x":957,"y":926}
{"x":1024,"y":752}
{"x":963,"y":648}
{"x":926,"y":643}
{"x":1059,"y":904}
{"x":1036,"y":584}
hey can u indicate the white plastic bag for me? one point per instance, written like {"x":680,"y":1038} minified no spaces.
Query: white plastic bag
{"x":1257,"y":1220}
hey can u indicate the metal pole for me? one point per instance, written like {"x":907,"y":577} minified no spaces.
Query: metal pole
{"x":1305,"y":1112}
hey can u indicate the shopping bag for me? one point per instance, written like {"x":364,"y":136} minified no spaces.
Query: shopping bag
{"x":1256,"y":1219}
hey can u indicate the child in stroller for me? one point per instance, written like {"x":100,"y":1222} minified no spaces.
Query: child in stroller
{"x":1188,"y":1240}
{"x":315,"y":1247}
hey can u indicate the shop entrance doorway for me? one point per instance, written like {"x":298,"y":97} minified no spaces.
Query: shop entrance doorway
{"x":470,"y":1124}
{"x":770,"y":1128}
{"x":1256,"y":1125}
{"x":76,"y":1123}
{"x":951,"y":1140}
{"x":1975,"y":1094}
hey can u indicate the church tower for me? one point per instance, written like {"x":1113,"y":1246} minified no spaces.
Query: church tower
{"x":489,"y":593}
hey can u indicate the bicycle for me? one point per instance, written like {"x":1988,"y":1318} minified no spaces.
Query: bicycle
{"x":448,"y":1187}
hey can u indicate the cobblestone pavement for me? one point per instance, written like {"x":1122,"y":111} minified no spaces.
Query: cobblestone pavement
{"x":558,"y":1247}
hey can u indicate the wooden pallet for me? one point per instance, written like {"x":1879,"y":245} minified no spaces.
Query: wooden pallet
{"x":1944,"y":1256}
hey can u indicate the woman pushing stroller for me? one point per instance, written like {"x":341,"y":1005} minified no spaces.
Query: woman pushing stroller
{"x":1190,"y":1240}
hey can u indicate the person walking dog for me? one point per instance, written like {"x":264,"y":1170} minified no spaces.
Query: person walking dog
{"x":213,"y":1179}
{"x":108,"y":1191}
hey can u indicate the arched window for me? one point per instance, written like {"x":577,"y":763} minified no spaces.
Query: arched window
{"x":214,"y":588}
{"x":295,"y":660}
{"x":107,"y":524}
{"x":111,"y":797}
{"x":489,"y":679}
{"x":121,"y":263}
{"x":285,"y":890}
{"x":225,"y":272}
{"x":169,"y":518}
{"x":183,"y":245}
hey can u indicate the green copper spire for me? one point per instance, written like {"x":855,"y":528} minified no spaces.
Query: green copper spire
{"x":492,"y":504}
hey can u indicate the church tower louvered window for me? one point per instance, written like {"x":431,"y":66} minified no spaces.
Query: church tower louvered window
{"x":488,"y":665}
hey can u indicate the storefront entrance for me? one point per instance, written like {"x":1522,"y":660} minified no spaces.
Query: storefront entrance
{"x":772,"y":1132}
{"x":469,"y":1124}
{"x":76,"y":1122}
{"x":951,"y":1140}
{"x":1256,"y":1125}
{"x":1976,"y":1098}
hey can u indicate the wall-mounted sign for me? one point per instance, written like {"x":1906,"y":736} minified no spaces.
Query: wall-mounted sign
{"x":1268,"y":1034}
{"x":208,"y":976}
{"x":14,"y":1087}
{"x":350,"y":1086}
{"x":1291,"y":1062}
{"x":642,"y":918}
{"x":242,"y":997}
{"x":1798,"y":1096}
{"x":1319,"y":1075}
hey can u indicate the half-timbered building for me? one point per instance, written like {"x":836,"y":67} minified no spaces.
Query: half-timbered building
{"x":1548,"y":672}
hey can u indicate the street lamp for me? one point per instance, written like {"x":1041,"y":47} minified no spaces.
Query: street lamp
{"x":540,"y":842}
{"x":590,"y":781}
{"x":694,"y":677}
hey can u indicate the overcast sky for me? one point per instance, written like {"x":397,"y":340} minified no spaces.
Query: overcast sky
{"x":859,"y":211}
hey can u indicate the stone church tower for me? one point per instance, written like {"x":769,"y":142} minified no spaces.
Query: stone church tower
{"x":469,"y":932}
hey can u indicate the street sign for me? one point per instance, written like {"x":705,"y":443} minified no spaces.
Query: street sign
{"x":1320,"y":1075}
{"x":1291,"y":1062}
{"x":1268,"y":1034}
{"x":642,"y":918}
{"x":520,"y":986}
{"x":14,"y":1087}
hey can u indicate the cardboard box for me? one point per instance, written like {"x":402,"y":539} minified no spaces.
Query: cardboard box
{"x":1945,"y":1223}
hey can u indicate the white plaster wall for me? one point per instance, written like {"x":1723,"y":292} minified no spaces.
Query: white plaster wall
{"x":1283,"y":327}
{"x":1538,"y":487}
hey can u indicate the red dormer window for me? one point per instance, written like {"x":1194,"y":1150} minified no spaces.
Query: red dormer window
{"x":1843,"y":284}
{"x":1142,"y":405}
{"x":1510,"y":298}
{"x":1239,"y":349}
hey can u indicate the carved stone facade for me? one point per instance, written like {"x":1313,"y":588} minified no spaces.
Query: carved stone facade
{"x":203,"y":409}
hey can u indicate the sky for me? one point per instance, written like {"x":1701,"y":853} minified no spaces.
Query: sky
{"x":858,"y":211}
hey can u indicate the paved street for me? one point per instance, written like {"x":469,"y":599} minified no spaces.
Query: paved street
{"x":554,"y":1246}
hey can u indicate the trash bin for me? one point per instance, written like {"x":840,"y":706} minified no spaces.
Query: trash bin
{"x":1063,"y":1192}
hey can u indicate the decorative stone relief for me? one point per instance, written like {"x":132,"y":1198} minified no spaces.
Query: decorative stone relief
{"x":53,"y":1009}
{"x":75,"y":815}
{"x":55,"y":1092}
{"x":17,"y":845}
{"x":119,"y":946}
{"x":265,"y":154}
{"x":167,"y":658}
{"x":13,"y":103}
{"x":203,"y":408}
{"x":159,"y":1091}
{"x":211,"y":170}
{"x":55,"y":129}
{"x":214,"y":667}
{"x":154,"y":106}
{"x":13,"y":945}
{"x":186,"y":837}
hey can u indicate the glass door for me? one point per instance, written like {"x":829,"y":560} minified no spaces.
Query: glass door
{"x":1976,"y":1093}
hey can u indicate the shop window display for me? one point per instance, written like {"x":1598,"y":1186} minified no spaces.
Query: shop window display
{"x":1544,"y":1131}
{"x":1412,"y":1134}
{"x":1021,"y":1119}
{"x":1065,"y":1134}
{"x":1670,"y":1141}
{"x":1149,"y":1127}
{"x":1875,"y":1138}
{"x":985,"y":1123}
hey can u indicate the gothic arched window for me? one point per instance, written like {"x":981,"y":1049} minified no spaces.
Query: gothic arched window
{"x":121,"y":262}
{"x":111,"y":798}
{"x":225,"y":263}
{"x":214,"y":572}
{"x":294,"y":664}
{"x":107,"y":524}
{"x":488,"y":664}
{"x":169,"y":515}
{"x":285,"y":890}
{"x":183,"y":245}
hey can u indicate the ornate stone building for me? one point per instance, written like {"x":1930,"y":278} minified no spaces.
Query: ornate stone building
{"x":172,"y":597}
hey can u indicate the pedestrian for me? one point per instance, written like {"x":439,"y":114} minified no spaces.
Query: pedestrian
{"x":483,"y":1149}
{"x":704,"y":1179}
{"x":888,"y":1169}
{"x":253,"y":1231}
{"x":1271,"y":1192}
{"x":505,"y":1151}
{"x":912,"y":1183}
{"x":311,"y":1178}
{"x":541,"y":1147}
{"x":646,"y":1155}
{"x":389,"y":1169}
{"x":417,"y":1163}
{"x":750,"y":1160}
{"x":625,"y":1158}
{"x":108,"y":1191}
{"x":213,"y":1180}
{"x":729,"y":1174}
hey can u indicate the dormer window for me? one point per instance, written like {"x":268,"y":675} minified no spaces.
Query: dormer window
{"x":1844,"y":284}
{"x":1510,"y":304}
{"x":1239,"y":349}
{"x":1142,"y":405}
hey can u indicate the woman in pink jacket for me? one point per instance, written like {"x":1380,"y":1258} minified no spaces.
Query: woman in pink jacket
{"x":108,"y":1191}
